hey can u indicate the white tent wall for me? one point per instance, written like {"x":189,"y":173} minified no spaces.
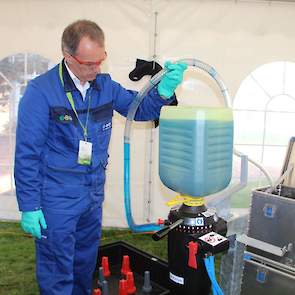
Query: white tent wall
{"x":233,"y":36}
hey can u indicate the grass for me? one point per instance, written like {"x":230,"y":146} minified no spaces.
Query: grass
{"x":17,"y":258}
{"x":17,"y":269}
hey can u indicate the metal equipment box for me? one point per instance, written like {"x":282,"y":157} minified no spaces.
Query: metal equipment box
{"x":269,"y":259}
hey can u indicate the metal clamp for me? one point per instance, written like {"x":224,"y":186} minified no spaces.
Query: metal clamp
{"x":275,"y":250}
{"x":264,"y":265}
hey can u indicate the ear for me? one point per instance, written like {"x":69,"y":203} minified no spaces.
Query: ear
{"x":67,"y":57}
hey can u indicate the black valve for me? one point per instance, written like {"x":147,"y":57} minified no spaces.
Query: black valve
{"x":164,"y":231}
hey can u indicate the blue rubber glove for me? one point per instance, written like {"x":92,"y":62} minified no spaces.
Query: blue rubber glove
{"x":171,"y":79}
{"x":31,"y":222}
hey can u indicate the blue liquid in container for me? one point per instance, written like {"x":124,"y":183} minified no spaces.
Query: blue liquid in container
{"x":196,"y":153}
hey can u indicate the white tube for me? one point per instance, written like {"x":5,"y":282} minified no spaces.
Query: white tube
{"x":266,"y":174}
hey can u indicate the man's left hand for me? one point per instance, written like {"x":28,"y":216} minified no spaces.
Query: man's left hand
{"x":171,"y":79}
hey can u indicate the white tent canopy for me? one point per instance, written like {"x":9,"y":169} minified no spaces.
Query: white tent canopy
{"x":235,"y":37}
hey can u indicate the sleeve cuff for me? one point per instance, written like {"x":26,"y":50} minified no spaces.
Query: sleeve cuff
{"x":165,"y":101}
{"x":27,"y":208}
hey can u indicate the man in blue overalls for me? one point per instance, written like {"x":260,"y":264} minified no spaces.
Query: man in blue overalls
{"x":63,"y":132}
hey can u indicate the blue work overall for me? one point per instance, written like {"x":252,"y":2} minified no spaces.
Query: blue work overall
{"x":48,"y":176}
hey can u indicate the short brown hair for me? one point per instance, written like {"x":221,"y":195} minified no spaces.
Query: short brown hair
{"x":74,"y":32}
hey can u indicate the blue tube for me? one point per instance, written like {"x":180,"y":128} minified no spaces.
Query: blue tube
{"x":134,"y":227}
{"x":209,"y":264}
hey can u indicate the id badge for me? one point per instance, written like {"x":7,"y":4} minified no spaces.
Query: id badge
{"x":85,"y":152}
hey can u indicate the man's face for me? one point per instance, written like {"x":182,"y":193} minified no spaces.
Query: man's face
{"x":86,"y":63}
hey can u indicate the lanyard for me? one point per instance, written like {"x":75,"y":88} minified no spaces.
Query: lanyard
{"x":71,"y":101}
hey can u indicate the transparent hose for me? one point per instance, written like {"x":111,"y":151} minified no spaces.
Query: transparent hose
{"x":130,"y":117}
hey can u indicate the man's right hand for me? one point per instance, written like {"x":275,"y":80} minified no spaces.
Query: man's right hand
{"x":31,"y":222}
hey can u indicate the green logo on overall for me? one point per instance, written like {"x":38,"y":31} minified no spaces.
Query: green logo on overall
{"x":65,"y":118}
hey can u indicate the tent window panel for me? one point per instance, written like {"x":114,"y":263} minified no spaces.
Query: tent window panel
{"x":15,"y":72}
{"x":270,"y":77}
{"x":249,"y":126}
{"x":264,"y":112}
{"x":250,"y":96}
{"x":279,"y":127}
{"x":271,"y":156}
{"x":282,"y":103}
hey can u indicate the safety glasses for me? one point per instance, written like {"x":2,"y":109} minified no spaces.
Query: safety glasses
{"x":89,"y":63}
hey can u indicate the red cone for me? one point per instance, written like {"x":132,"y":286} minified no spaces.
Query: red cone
{"x":131,"y":289}
{"x":123,"y":287}
{"x":96,"y":292}
{"x":125,"y":265}
{"x":105,"y":266}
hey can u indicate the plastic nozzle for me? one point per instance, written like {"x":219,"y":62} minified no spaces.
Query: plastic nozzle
{"x":105,"y":288}
{"x":123,"y":287}
{"x":130,"y":283}
{"x":100,"y":276}
{"x":96,"y":292}
{"x":105,"y":266}
{"x":147,"y":286}
{"x":125,"y":265}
